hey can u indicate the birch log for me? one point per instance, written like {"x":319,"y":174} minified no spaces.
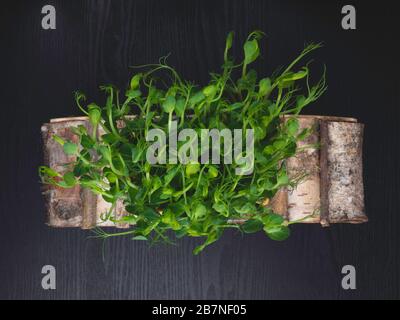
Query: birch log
{"x":330,"y":189}
{"x":74,"y":207}
{"x":65,"y":206}
{"x":304,"y":200}
{"x":341,"y":161}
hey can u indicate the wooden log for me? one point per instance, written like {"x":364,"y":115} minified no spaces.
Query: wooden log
{"x":304,"y":199}
{"x":73,"y":207}
{"x":343,"y":193}
{"x":89,"y":210}
{"x":65,"y":206}
{"x":330,"y":191}
{"x":279,"y":203}
{"x":102,"y":206}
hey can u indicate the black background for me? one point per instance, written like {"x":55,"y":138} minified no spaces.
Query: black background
{"x":94,"y":43}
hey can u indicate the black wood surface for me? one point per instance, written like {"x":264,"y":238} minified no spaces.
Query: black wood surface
{"x":94,"y":43}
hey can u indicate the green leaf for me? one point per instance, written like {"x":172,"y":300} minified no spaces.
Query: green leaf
{"x":253,"y":225}
{"x":140,"y":238}
{"x":137,"y":153}
{"x":251,"y":51}
{"x":80,"y":169}
{"x":300,"y":74}
{"x":277,"y":233}
{"x":282,"y":179}
{"x":221,"y":208}
{"x":264,"y":86}
{"x":150,"y":214}
{"x":245,"y":208}
{"x":259,"y":132}
{"x":279,"y":144}
{"x":45,"y":172}
{"x":177,"y":208}
{"x":87,"y":142}
{"x":168,"y":217}
{"x":210,"y":91}
{"x":269,"y":149}
{"x":292,"y":126}
{"x":70,"y":148}
{"x":234,"y":106}
{"x":169,"y":104}
{"x":287,"y":79}
{"x":228,"y":45}
{"x":272,"y":219}
{"x":180,"y":106}
{"x":105,"y":152}
{"x":111,"y":177}
{"x":131,"y":219}
{"x":155,"y":183}
{"x":135,"y":81}
{"x":132,"y":94}
{"x":79,"y":130}
{"x":199,"y":211}
{"x":167,"y":192}
{"x":109,"y":138}
{"x":192,"y":168}
{"x":300,"y":100}
{"x":94,"y":114}
{"x":197,"y":98}
{"x":69,"y":179}
{"x":212,"y":172}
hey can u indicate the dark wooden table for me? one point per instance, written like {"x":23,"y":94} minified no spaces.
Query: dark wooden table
{"x":94,"y":43}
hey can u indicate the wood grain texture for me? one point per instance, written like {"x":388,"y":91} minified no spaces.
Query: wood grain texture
{"x":95,"y":43}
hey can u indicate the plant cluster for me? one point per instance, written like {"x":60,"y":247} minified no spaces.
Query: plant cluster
{"x":197,"y":200}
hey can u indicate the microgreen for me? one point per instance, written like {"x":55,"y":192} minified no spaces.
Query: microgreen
{"x":167,"y":201}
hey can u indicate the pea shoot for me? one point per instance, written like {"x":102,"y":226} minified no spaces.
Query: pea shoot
{"x":168,"y":201}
